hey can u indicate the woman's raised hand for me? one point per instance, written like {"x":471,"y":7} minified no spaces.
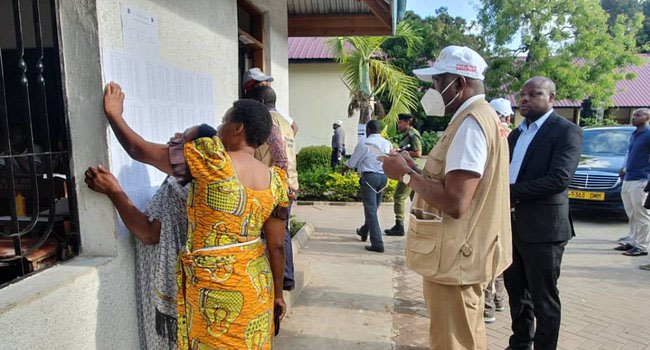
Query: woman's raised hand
{"x":113,"y":100}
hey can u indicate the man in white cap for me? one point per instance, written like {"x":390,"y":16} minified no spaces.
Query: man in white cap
{"x":504,"y":111}
{"x":338,"y":144}
{"x":255,"y":77}
{"x":459,"y":235}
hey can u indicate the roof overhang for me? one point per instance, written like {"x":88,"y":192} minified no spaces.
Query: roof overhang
{"x":343,"y":17}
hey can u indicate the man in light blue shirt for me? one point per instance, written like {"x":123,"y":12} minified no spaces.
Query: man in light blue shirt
{"x":372,"y":180}
{"x":527,"y":135}
{"x":545,"y":151}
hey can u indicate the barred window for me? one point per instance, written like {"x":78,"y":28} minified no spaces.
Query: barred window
{"x":38,"y":220}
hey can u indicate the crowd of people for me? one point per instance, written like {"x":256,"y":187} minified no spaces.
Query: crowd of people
{"x":488,"y":223}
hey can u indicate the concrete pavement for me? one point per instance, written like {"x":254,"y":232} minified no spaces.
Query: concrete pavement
{"x":362,"y":300}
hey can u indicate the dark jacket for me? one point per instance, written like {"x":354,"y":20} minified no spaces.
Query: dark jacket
{"x":539,"y":194}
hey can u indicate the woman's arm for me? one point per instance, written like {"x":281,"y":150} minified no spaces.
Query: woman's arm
{"x":274,"y":232}
{"x":102,"y":181}
{"x":154,"y":154}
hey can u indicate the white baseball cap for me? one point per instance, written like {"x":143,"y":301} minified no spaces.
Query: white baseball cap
{"x":338,"y":122}
{"x":460,"y":60}
{"x":255,"y":74}
{"x":502,"y":106}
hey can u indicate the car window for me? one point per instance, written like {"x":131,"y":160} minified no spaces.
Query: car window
{"x":606,"y":142}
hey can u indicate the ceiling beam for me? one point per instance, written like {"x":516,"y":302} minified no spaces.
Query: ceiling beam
{"x":337,"y":25}
{"x":381,"y":10}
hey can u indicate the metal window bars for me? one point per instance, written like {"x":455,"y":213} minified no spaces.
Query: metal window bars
{"x":37,"y":224}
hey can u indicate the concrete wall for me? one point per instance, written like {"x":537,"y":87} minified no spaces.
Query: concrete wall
{"x":88,"y":302}
{"x":318,"y":97}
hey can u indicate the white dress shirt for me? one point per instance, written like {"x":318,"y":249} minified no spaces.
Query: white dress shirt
{"x":365,"y":154}
{"x":468,"y":150}
{"x":527,"y":135}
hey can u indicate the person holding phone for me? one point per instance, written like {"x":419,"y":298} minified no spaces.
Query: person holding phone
{"x":372,"y":181}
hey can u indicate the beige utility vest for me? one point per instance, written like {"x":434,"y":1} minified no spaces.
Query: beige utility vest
{"x":263,"y":153}
{"x":478,"y":246}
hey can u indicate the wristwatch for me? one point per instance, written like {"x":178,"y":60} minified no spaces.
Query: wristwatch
{"x":406,"y":178}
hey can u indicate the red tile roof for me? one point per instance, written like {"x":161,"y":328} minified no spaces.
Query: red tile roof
{"x":633,"y":93}
{"x":629,"y":93}
{"x":309,"y":48}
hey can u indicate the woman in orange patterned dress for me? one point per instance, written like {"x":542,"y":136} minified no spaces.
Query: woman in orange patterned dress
{"x":226,"y":294}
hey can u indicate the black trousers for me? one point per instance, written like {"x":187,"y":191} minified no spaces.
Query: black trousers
{"x":531,"y":282}
{"x":334,"y":160}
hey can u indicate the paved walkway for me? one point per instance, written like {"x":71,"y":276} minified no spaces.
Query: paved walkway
{"x":362,"y":300}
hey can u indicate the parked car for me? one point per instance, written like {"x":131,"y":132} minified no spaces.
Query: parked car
{"x":596,"y":184}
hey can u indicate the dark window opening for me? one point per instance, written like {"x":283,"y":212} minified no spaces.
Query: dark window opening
{"x":251,"y":39}
{"x":38,"y":217}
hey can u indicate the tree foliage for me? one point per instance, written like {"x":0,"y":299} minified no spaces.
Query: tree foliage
{"x":437,"y":32}
{"x":630,"y":8}
{"x":368,"y":73}
{"x":567,"y":40}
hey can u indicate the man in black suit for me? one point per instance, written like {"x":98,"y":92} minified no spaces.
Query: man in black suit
{"x":544,"y":154}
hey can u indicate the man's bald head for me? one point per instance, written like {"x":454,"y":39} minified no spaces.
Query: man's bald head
{"x":543,"y":83}
{"x":536,"y":97}
{"x":640,"y":117}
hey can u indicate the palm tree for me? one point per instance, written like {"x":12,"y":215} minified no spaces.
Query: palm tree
{"x":368,"y":73}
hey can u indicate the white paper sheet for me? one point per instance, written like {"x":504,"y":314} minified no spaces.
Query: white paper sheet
{"x":161,"y":100}
{"x":140,"y":32}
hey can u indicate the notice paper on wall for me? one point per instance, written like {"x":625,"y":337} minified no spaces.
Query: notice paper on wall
{"x":161,"y":100}
{"x":140,"y":32}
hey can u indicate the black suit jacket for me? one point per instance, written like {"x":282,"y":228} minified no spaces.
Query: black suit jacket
{"x":539,"y":194}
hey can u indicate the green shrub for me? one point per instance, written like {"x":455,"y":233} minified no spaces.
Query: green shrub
{"x":312,"y":157}
{"x":342,"y":187}
{"x":389,"y":191}
{"x":429,"y":139}
{"x":313,"y":182}
{"x":322,"y":184}
{"x":604,"y":121}
{"x":295,"y":225}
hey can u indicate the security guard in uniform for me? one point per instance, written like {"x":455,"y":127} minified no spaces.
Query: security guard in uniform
{"x":412,"y":143}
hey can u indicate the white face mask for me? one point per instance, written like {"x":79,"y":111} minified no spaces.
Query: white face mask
{"x":432,"y":101}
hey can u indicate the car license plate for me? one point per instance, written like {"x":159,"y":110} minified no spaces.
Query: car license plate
{"x":586,"y":195}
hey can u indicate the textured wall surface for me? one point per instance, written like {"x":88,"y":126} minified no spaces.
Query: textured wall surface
{"x":89,"y":302}
{"x":318,"y":98}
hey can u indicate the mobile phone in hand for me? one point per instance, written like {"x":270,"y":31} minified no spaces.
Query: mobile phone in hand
{"x":276,"y":319}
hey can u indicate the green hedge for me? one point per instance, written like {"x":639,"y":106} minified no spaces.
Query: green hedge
{"x":322,"y":184}
{"x":313,"y":157}
{"x":429,"y":139}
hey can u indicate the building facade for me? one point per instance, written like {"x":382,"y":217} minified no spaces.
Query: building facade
{"x":88,"y":300}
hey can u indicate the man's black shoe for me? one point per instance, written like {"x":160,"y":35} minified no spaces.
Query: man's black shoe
{"x":363,"y":235}
{"x":375,"y":249}
{"x":624,"y":247}
{"x":635,"y":252}
{"x":397,"y":230}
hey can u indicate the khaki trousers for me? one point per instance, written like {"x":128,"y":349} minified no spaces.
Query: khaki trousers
{"x":456,"y":315}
